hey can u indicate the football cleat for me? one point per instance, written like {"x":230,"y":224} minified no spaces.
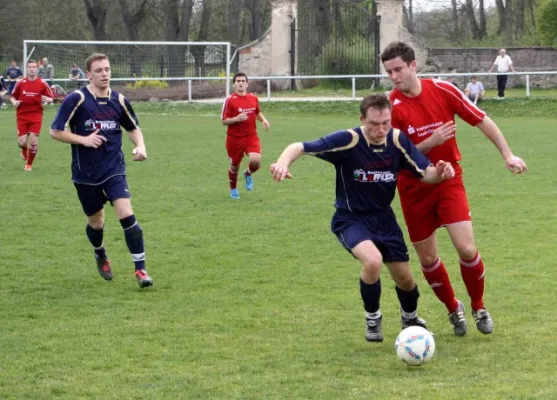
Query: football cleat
{"x":103,"y":266}
{"x":28,"y":167}
{"x":249,"y":182}
{"x":373,"y":329}
{"x":234,"y":194}
{"x":484,"y":323}
{"x":143,"y":279}
{"x":458,"y":320}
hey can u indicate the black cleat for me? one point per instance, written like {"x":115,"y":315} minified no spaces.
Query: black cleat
{"x":103,"y":265}
{"x":373,"y":329}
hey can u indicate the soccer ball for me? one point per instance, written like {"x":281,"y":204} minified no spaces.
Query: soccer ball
{"x":415,"y":345}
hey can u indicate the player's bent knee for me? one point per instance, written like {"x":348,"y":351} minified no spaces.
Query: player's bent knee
{"x":372,"y":266}
{"x":95,"y":222}
{"x":467,"y":251}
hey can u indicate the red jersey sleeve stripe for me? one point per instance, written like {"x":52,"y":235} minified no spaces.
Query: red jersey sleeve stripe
{"x":224,"y":107}
{"x":449,"y":87}
{"x":48,"y":89}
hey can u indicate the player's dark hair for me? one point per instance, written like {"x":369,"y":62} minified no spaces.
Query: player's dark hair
{"x":378,"y":101}
{"x":31,"y":62}
{"x":239,"y":74}
{"x":398,"y":49}
{"x":94,"y":57}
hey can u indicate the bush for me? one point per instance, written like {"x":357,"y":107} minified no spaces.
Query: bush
{"x":147,"y":84}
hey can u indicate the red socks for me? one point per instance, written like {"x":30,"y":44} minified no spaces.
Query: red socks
{"x":252,"y":167}
{"x":473,"y":272}
{"x":438,"y":278}
{"x":233,"y":179}
{"x":33,"y":149}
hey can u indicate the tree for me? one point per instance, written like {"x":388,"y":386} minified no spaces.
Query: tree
{"x":198,"y":52}
{"x":96,"y":13}
{"x":233,"y":21}
{"x":132,"y":21}
{"x":546,"y":17}
{"x":474,"y":28}
{"x":255,"y":31}
{"x":177,"y":18}
{"x":520,"y":8}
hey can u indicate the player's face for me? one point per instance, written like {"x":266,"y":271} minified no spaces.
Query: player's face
{"x":99,"y":76}
{"x":377,"y":123}
{"x":402,"y":75}
{"x":241,"y":84}
{"x":32,"y":70}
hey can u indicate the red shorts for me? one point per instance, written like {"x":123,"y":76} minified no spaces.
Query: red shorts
{"x":237,"y":147}
{"x":25,"y":126}
{"x":428,"y":207}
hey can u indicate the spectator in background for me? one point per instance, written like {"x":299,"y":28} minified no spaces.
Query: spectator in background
{"x":46,"y":72}
{"x":504,"y":64}
{"x":450,"y":79}
{"x":75,"y":75}
{"x":13,"y":74}
{"x":3,"y":90}
{"x":474,"y":90}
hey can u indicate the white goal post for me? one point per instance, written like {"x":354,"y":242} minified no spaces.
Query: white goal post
{"x":142,"y":65}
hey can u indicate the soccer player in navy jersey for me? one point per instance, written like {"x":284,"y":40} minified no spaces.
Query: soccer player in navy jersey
{"x":95,"y":115}
{"x":367,"y":160}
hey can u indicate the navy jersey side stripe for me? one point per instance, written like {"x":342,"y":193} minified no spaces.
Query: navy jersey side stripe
{"x":396,"y":136}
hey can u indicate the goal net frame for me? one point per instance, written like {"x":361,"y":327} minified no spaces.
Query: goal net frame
{"x":29,"y":51}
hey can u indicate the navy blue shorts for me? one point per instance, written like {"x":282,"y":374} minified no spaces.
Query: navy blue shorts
{"x":94,"y":197}
{"x":353,"y":228}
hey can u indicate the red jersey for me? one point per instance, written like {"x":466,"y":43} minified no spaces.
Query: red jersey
{"x":30,"y":93}
{"x":437,"y":104}
{"x":235,"y":105}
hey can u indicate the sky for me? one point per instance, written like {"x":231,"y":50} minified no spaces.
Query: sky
{"x":428,"y":5}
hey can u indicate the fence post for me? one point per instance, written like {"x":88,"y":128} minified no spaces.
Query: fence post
{"x":189,"y":90}
{"x":353,"y":88}
{"x":268,"y":90}
{"x":527,"y":85}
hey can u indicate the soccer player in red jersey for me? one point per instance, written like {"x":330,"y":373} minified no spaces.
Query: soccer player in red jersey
{"x":28,"y":97}
{"x":425,"y":110}
{"x":239,"y":112}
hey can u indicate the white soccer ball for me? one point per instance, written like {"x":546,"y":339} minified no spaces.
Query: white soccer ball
{"x":415,"y":345}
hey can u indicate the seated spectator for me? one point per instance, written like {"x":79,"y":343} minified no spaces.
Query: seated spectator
{"x":474,"y":90}
{"x":75,"y":75}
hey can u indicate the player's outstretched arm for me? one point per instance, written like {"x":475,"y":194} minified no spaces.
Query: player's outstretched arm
{"x":279,"y":170}
{"x":441,"y":171}
{"x":513,"y":163}
{"x":140,"y":152}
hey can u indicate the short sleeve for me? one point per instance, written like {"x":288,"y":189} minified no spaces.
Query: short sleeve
{"x":66,"y":110}
{"x":128,"y":119}
{"x":332,"y":147}
{"x":412,"y":159}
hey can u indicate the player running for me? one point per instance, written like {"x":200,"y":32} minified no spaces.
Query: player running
{"x":367,"y":160}
{"x":239,"y":112}
{"x":425,"y":109}
{"x":96,"y":115}
{"x":29,"y":96}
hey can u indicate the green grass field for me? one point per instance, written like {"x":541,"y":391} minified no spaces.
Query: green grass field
{"x":255,"y":299}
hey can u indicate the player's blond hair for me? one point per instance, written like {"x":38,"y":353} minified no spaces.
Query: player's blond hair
{"x":94,"y":57}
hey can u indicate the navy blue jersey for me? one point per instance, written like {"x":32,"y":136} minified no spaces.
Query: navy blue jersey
{"x":366,"y":173}
{"x":84,"y":112}
{"x":13,"y":72}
